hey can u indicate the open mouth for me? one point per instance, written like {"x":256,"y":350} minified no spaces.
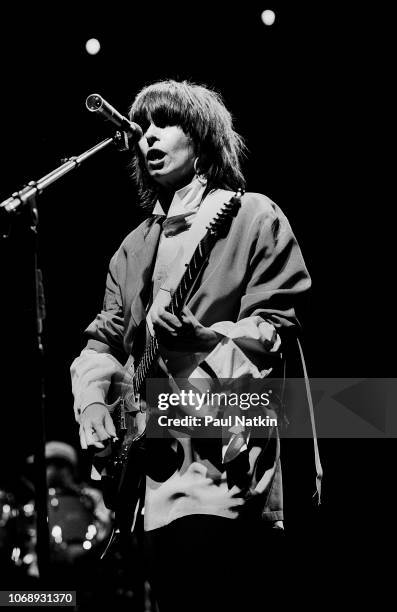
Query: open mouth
{"x":155,"y":155}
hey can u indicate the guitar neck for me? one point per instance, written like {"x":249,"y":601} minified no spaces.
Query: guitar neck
{"x":177,"y":302}
{"x":187,"y":281}
{"x":191,"y":273}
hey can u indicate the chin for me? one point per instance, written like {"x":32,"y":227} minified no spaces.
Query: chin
{"x":159,"y":173}
{"x":162,"y":178}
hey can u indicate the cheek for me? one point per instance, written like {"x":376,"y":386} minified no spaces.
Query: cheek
{"x":181,"y":144}
{"x":186,"y":152}
{"x":190,"y":155}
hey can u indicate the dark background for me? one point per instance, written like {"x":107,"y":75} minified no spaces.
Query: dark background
{"x":303,"y":93}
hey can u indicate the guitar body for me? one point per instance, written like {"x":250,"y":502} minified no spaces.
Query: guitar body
{"x":122,"y":485}
{"x":124,"y":488}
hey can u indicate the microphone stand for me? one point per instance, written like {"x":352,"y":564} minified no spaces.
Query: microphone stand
{"x":19,"y":198}
{"x":13,"y":205}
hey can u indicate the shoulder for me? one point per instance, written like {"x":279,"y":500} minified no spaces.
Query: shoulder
{"x":139,"y":233}
{"x":258,"y":205}
{"x":135,"y":239}
{"x":259,"y":218}
{"x":264,"y":213}
{"x":258,"y":210}
{"x":254,"y":205}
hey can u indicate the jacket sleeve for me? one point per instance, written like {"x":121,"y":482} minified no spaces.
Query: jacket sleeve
{"x":277,"y":276}
{"x":91,"y":373}
{"x":105,"y":334}
{"x":92,"y":370}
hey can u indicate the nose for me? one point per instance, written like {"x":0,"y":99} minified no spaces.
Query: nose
{"x":151,"y":140}
{"x":151,"y":135}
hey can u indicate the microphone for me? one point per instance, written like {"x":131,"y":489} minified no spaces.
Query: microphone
{"x":96,"y":104}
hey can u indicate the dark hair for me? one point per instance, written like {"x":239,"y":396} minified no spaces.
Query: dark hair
{"x":201,"y":113}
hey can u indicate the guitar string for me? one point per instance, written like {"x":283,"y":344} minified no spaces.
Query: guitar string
{"x":201,"y":252}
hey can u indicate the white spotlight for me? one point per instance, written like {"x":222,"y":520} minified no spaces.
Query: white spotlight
{"x":268,"y":17}
{"x":92,"y":46}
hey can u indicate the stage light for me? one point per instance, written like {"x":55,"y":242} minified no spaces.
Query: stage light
{"x":91,"y":532}
{"x":92,"y":46}
{"x":56,"y":533}
{"x":28,"y":509}
{"x":268,"y":17}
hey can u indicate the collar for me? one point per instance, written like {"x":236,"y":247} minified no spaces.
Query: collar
{"x":185,"y":200}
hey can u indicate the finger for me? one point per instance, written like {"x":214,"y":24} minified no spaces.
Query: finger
{"x":160,"y":326}
{"x":83,"y":442}
{"x":185,"y":319}
{"x":188,"y":312}
{"x":109,"y":426}
{"x":169,"y":318}
{"x":101,"y":432}
{"x":234,"y":491}
{"x":98,"y":445}
{"x":187,"y":315}
{"x":92,"y":438}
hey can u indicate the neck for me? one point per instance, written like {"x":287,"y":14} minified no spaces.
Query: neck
{"x":166,"y":192}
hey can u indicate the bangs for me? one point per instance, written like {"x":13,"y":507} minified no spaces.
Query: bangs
{"x":200,"y":112}
{"x":164,"y":106}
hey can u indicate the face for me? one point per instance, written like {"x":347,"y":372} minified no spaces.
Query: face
{"x":168,"y":154}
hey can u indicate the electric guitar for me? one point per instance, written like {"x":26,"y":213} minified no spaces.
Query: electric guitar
{"x":124,"y":482}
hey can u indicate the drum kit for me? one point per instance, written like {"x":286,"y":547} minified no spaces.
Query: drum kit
{"x":79,"y":526}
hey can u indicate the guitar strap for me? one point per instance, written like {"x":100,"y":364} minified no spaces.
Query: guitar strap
{"x":317,"y":460}
{"x":209,"y":208}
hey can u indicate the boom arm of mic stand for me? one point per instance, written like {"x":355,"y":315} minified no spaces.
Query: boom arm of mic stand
{"x":18,"y":199}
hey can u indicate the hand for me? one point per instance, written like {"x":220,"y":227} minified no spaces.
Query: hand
{"x":96,"y":426}
{"x":182,"y":333}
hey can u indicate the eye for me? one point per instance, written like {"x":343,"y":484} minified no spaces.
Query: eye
{"x":162,"y":118}
{"x":161,"y":122}
{"x":144,"y":124}
{"x":142,"y":120}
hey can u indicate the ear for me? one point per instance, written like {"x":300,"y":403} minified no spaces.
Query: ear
{"x":205,"y":163}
